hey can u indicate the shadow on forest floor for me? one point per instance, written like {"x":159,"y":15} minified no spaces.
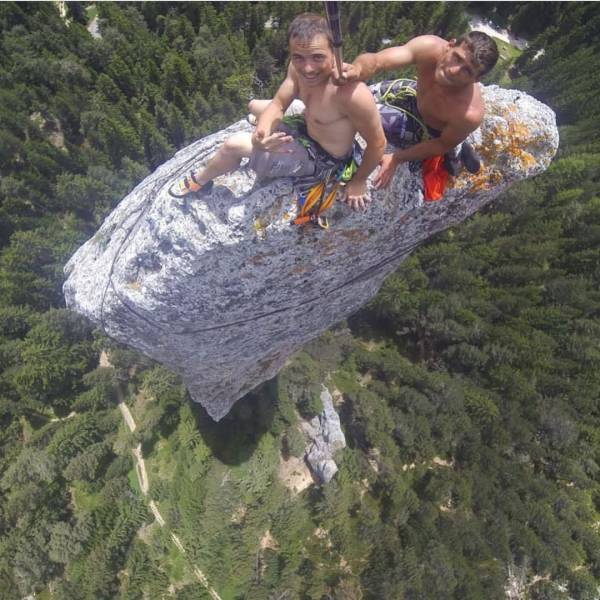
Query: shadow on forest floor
{"x":364,"y":326}
{"x":235,"y":437}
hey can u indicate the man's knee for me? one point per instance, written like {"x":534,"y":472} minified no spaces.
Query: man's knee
{"x":257,"y":106}
{"x":239,"y":145}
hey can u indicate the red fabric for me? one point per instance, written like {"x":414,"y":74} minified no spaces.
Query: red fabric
{"x":435,"y":178}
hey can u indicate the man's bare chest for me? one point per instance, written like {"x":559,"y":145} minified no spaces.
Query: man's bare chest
{"x":323,"y":118}
{"x":321,"y":110}
{"x":436,"y":109}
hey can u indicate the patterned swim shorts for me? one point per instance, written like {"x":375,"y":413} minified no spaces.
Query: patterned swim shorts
{"x":302,"y":158}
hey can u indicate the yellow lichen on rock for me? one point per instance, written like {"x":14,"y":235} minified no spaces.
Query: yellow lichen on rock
{"x":505,"y":139}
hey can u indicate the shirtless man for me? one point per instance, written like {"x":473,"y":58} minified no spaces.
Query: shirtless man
{"x":448,"y":101}
{"x":313,"y":145}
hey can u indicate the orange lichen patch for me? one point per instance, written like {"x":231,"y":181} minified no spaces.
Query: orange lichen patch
{"x":528,"y":159}
{"x":355,"y":235}
{"x":486,"y":179}
{"x":300,"y":269}
{"x":277,"y":211}
{"x":258,"y":259}
{"x":260,"y":227}
{"x":509,"y":138}
{"x":327,"y":246}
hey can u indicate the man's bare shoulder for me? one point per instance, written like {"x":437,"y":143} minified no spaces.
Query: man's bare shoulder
{"x":355,"y":93}
{"x":424,"y":47}
{"x":465,"y":122}
{"x":476,"y":110}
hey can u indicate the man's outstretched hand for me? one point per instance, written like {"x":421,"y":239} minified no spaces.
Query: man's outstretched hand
{"x":387,"y":167}
{"x":274,"y":142}
{"x":350,"y":73}
{"x":356,"y":196}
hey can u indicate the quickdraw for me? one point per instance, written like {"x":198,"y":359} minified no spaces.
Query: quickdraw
{"x":316,"y":201}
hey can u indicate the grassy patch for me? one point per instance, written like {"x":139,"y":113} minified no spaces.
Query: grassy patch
{"x":161,"y":462}
{"x":133,"y":480}
{"x":141,"y":407}
{"x":84,"y":498}
{"x":177,"y":567}
{"x":508,"y":56}
{"x":91,"y":12}
{"x":345,"y":381}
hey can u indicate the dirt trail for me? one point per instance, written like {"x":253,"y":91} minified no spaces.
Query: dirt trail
{"x":142,"y":475}
{"x":126,"y":412}
{"x":69,"y":416}
{"x":141,"y":469}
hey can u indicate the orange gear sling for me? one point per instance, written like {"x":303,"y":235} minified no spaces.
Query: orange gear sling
{"x":315,"y":203}
{"x":435,"y":178}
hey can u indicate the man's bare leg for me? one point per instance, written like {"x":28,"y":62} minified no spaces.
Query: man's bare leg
{"x":257,"y":107}
{"x":228,"y":157}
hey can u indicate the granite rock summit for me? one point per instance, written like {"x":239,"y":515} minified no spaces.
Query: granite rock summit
{"x":222,"y":289}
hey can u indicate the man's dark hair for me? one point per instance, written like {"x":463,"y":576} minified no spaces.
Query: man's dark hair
{"x":308,"y":25}
{"x":483,"y":49}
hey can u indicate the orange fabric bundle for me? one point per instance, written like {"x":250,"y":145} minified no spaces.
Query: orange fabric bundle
{"x":435,"y":178}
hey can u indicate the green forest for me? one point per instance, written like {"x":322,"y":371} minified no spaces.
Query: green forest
{"x":470,"y":385}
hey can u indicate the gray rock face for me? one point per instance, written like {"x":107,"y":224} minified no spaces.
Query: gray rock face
{"x":327,"y":437}
{"x":222,"y":288}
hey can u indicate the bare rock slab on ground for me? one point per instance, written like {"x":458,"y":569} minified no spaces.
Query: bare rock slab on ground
{"x":327,"y":437}
{"x":222,"y":288}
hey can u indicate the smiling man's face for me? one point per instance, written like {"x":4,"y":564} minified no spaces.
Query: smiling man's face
{"x":313,"y":60}
{"x":456,"y":67}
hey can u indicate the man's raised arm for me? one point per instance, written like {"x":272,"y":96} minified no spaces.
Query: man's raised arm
{"x":362,"y":111}
{"x":451,"y":136}
{"x":263,"y":136}
{"x":390,"y":59}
